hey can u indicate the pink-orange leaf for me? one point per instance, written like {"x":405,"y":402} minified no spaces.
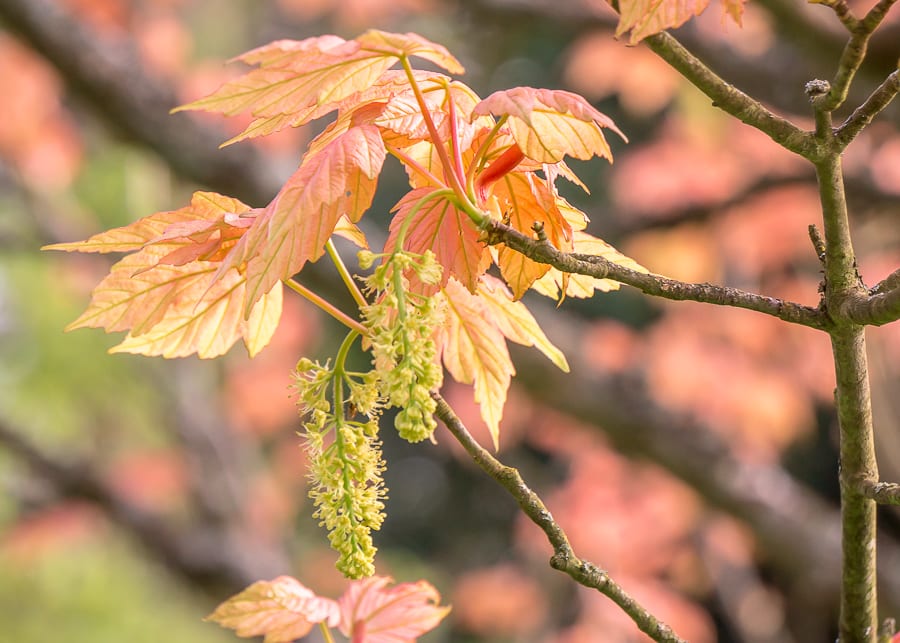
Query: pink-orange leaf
{"x":516,"y":322}
{"x":338,"y":180}
{"x":300,"y":80}
{"x":474,"y":352}
{"x":372,"y":612}
{"x":282,"y":610}
{"x":204,"y":207}
{"x":297,"y":81}
{"x":447,"y":232}
{"x":642,"y":18}
{"x":550,"y":124}
{"x":410,"y":44}
{"x":175,"y":311}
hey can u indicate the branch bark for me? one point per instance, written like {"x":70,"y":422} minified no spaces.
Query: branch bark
{"x":542,"y":251}
{"x":564,"y":558}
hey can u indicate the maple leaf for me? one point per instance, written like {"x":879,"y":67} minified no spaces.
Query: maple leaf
{"x":644,"y":18}
{"x":204,"y":207}
{"x":338,"y":180}
{"x":447,"y":232}
{"x":175,"y":311}
{"x":549,"y":124}
{"x":472,"y":342}
{"x":371,"y":612}
{"x":526,"y":202}
{"x":516,"y":322}
{"x":558,"y":284}
{"x":299,"y":81}
{"x":282,"y":610}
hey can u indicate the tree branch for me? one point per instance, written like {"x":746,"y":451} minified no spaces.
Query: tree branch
{"x":652,"y":284}
{"x":873,"y":105}
{"x":853,"y":55}
{"x":564,"y":558}
{"x":874,"y":310}
{"x":730,"y":99}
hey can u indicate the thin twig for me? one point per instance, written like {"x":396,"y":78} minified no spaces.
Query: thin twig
{"x":652,"y":284}
{"x":853,"y":55}
{"x":564,"y":558}
{"x":873,"y":105}
{"x":730,"y":99}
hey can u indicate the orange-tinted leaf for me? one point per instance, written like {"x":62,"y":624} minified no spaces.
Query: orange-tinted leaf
{"x":297,"y":81}
{"x":550,"y":124}
{"x":205,"y":206}
{"x":644,"y":18}
{"x":338,"y":180}
{"x":526,"y":201}
{"x":176,"y":311}
{"x":372,"y":612}
{"x":516,"y":322}
{"x":735,"y":10}
{"x":410,"y":44}
{"x":447,"y":232}
{"x":282,"y":610}
{"x":555,"y":283}
{"x":474,"y":352}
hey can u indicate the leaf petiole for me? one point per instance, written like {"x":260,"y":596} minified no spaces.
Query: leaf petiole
{"x":325,"y":305}
{"x":326,"y":632}
{"x":346,"y":277}
{"x":481,"y":155}
{"x":415,"y":165}
{"x":449,"y":172}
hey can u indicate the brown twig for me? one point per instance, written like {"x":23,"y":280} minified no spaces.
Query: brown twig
{"x":652,"y":284}
{"x":564,"y":558}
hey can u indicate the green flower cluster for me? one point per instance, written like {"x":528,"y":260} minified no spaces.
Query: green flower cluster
{"x":345,"y":462}
{"x":401,"y":328}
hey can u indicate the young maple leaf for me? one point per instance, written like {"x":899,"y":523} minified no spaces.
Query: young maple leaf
{"x":472,"y":343}
{"x":447,"y":232}
{"x":642,"y":18}
{"x":282,"y":610}
{"x":172,"y":293}
{"x":338,"y":180}
{"x":549,"y":124}
{"x":371,"y":612}
{"x":299,"y":81}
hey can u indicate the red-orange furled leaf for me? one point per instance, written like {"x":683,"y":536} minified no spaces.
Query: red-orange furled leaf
{"x":474,"y":351}
{"x":644,"y":18}
{"x":550,"y":124}
{"x":557,"y":284}
{"x":410,"y":44}
{"x":282,"y":610}
{"x":499,"y":168}
{"x":175,"y":311}
{"x":447,"y":232}
{"x":338,"y":180}
{"x":516,"y":322}
{"x":297,"y":81}
{"x":372,"y":612}
{"x":204,"y":207}
{"x":525,"y":201}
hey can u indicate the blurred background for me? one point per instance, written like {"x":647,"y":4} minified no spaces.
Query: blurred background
{"x":691,"y":452}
